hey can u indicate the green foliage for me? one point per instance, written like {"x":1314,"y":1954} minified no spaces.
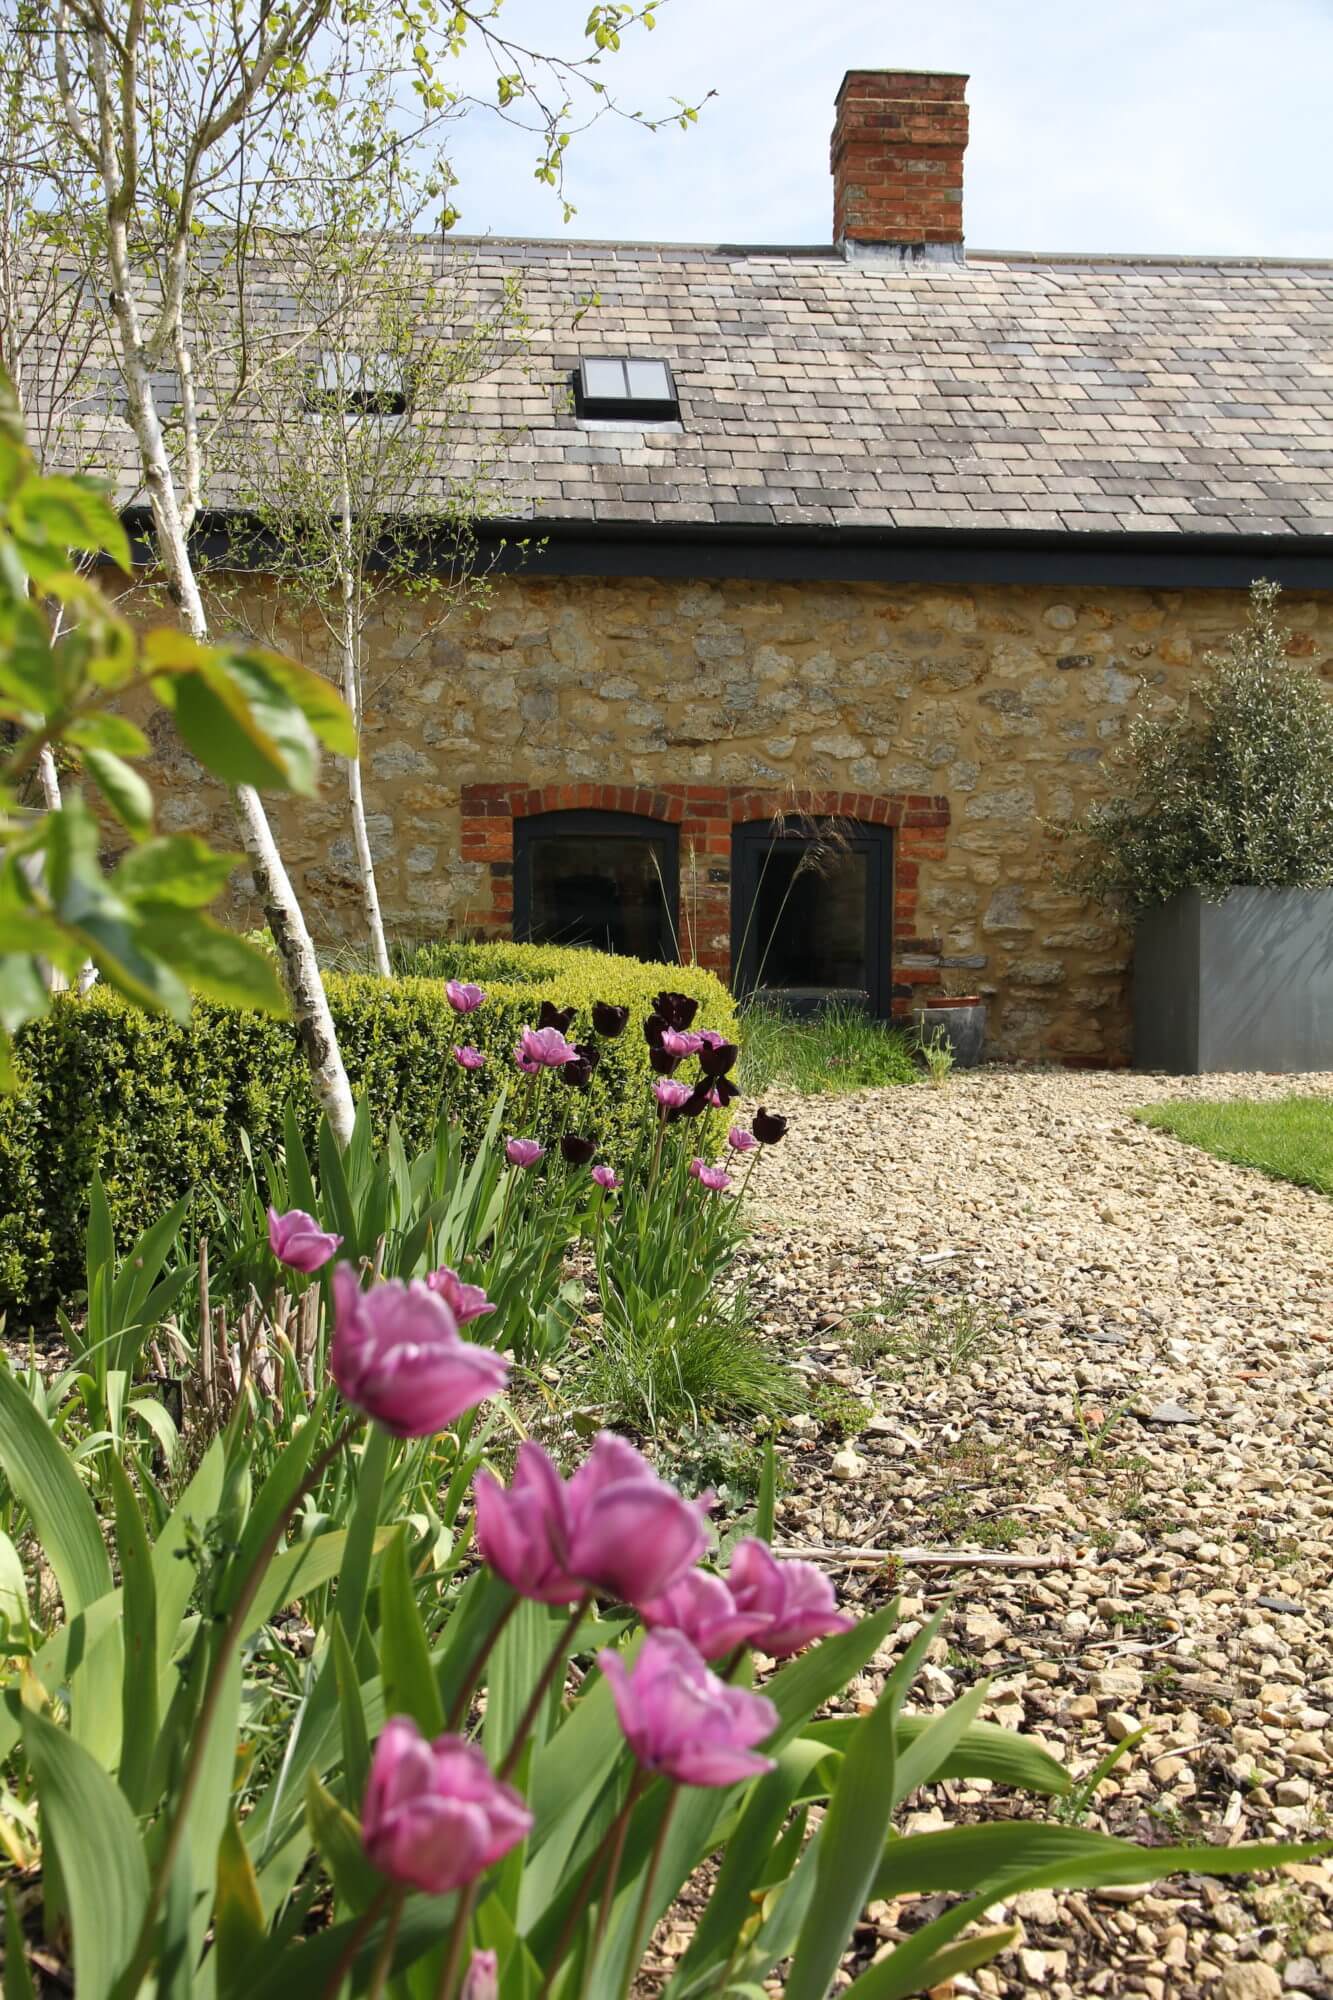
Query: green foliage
{"x":250,"y":717}
{"x":1235,"y":790}
{"x":842,"y":1048}
{"x":1290,"y":1138}
{"x":157,"y":1107}
{"x":836,"y":1408}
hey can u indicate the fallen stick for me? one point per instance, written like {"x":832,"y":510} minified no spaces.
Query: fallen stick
{"x":856,"y":1558}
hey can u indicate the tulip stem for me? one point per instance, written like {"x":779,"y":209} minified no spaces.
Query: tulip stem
{"x":379,"y":1972}
{"x":643,"y":1921}
{"x":458,"y":1713}
{"x":548,"y":1673}
{"x":453,"y":1958}
{"x":333,"y":1985}
{"x":613,"y":1837}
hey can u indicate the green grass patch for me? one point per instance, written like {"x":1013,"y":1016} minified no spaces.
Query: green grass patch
{"x":1289,"y":1138}
{"x":840,"y":1049}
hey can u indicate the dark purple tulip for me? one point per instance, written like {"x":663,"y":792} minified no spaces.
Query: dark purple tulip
{"x":555,"y":1017}
{"x":767,"y":1126}
{"x":654,"y":1028}
{"x":701,"y":1098}
{"x":724,"y":1089}
{"x":716,"y":1058}
{"x":576,"y":1151}
{"x":590,"y":1053}
{"x":577,"y":1074}
{"x":609,"y":1020}
{"x":676,"y":1009}
{"x":663,"y":1063}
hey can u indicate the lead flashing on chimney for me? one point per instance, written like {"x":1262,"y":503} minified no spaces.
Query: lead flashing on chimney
{"x":901,"y":256}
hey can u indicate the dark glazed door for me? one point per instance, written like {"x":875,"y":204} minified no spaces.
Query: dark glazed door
{"x":609,"y":880}
{"x":811,"y":912}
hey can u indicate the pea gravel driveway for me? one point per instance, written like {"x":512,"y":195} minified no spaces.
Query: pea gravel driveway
{"x":1033,"y":1326}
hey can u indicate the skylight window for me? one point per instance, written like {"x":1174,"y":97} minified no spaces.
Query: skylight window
{"x":617,"y":385}
{"x":368,"y":384}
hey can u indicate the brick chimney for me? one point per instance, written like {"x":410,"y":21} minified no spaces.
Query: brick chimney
{"x":897,"y":157}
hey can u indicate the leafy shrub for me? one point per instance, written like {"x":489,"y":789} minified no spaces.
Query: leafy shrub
{"x":1235,"y":790}
{"x":157,"y":1107}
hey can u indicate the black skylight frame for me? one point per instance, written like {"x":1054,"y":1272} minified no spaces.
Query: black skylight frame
{"x":639,"y":388}
{"x":351,"y":384}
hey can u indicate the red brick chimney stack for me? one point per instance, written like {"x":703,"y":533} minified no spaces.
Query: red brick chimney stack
{"x":897,"y":157}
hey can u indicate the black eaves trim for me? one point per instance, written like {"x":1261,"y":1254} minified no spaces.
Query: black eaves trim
{"x":797,"y":554}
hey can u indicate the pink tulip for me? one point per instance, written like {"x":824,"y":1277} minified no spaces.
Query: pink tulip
{"x":297,"y":1240}
{"x":516,"y":1527}
{"x":716,"y":1178}
{"x":741,"y":1141}
{"x":397,"y":1355}
{"x":482,"y":1981}
{"x":465,"y":1302}
{"x":434,"y":1815}
{"x":709,"y":1038}
{"x":469,"y":1058}
{"x":680,"y":1719}
{"x":523,"y":1152}
{"x":606,"y":1177}
{"x":794,"y":1598}
{"x":543,"y":1048}
{"x":681,"y":1042}
{"x":614,"y":1527}
{"x":463,"y":998}
{"x":702,"y":1608}
{"x":670,"y":1094}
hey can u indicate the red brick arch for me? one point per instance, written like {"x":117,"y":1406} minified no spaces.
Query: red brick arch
{"x":705,"y":815}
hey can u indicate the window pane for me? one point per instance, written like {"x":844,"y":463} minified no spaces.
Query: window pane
{"x":810,"y":922}
{"x":598,"y":890}
{"x":648,"y":381}
{"x":604,"y":378}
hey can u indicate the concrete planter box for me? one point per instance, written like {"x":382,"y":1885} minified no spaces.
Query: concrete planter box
{"x":1244,"y":984}
{"x":963,"y":1022}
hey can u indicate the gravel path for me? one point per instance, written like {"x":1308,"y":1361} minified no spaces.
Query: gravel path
{"x":1034,"y":1326}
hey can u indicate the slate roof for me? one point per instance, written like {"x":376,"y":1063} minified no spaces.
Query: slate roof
{"x":1007,"y":392}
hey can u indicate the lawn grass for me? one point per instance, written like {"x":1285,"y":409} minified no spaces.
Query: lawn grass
{"x":840,"y":1049}
{"x":1290,"y":1138}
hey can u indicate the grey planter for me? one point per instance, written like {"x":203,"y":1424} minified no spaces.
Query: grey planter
{"x":1242,"y":984}
{"x":965,"y":1026}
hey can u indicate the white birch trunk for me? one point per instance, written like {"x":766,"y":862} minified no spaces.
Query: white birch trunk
{"x":365,"y":864}
{"x":49,"y":779}
{"x":282,"y":912}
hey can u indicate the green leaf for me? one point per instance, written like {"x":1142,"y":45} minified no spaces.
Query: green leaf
{"x":405,"y":1667}
{"x":176,"y":868}
{"x":242,"y":726}
{"x":138,"y":1706}
{"x":69,"y":514}
{"x":238,"y":1911}
{"x":336,"y":1834}
{"x":13,"y":1588}
{"x":18,"y":1979}
{"x":23,"y":992}
{"x":212,"y":961}
{"x":44,"y":1481}
{"x":984,"y":1750}
{"x":97,"y":1843}
{"x":766,"y":1503}
{"x":104,"y":731}
{"x":859,"y":1815}
{"x":129,"y":796}
{"x":318,"y":700}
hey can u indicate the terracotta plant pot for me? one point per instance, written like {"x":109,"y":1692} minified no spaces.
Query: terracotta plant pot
{"x":963,"y":1021}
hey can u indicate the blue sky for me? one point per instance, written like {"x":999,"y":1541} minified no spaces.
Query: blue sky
{"x":1193,"y":126}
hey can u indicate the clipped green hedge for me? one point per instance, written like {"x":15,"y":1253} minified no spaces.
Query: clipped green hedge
{"x":157,"y":1108}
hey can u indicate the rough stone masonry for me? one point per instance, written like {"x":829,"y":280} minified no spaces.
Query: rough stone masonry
{"x":1006,"y":704}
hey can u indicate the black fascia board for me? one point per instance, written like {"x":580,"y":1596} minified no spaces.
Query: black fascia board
{"x":805,"y":554}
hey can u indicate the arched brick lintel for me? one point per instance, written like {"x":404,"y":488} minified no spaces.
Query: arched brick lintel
{"x":705,"y":815}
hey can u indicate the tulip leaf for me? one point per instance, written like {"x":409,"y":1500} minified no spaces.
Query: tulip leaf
{"x":238,"y":1913}
{"x":984,"y":1750}
{"x":96,"y":1841}
{"x":138,"y":1701}
{"x":18,"y":1978}
{"x":405,"y":1666}
{"x":43,"y":1478}
{"x":337,"y":1838}
{"x":355,"y":1735}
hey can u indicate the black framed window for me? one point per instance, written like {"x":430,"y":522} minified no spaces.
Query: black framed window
{"x":609,"y":880}
{"x":812,"y":912}
{"x":619,"y":385}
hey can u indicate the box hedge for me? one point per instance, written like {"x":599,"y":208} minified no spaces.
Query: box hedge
{"x":158,"y":1108}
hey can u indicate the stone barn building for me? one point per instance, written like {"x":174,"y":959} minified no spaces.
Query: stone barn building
{"x":856,"y":561}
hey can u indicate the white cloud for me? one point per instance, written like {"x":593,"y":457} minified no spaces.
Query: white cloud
{"x":1190,"y":126}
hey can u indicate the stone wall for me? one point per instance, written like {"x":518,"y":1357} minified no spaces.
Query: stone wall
{"x":996,"y":709}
